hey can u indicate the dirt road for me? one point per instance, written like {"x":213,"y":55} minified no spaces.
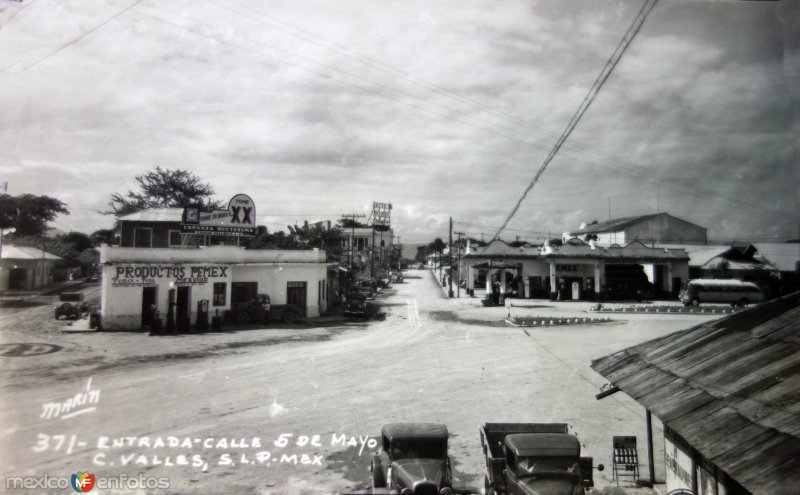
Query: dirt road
{"x":292,"y":409}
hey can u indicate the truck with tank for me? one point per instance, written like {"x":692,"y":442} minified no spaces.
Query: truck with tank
{"x":534,"y":459}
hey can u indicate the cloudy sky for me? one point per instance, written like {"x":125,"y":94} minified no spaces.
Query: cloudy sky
{"x":444,"y":108}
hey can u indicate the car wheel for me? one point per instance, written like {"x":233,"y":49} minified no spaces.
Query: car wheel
{"x":289,"y":316}
{"x":242,"y":317}
{"x":695,"y":302}
{"x":743,"y":303}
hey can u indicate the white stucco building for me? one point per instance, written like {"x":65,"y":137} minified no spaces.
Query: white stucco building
{"x":136,"y":281}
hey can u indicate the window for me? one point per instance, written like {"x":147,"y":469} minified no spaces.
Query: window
{"x":175,"y":238}
{"x":143,"y":238}
{"x":220,"y":293}
{"x":296,"y":293}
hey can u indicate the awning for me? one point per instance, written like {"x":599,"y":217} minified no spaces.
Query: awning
{"x":495,"y":264}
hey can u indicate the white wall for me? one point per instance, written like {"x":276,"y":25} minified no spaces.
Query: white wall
{"x":679,"y":470}
{"x":127,"y":270}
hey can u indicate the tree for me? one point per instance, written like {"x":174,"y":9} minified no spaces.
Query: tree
{"x":421,"y":254}
{"x":437,"y":247}
{"x":317,"y":236}
{"x":349,"y":223}
{"x":29,"y":214}
{"x":164,"y":188}
{"x":78,"y":241}
{"x":104,"y":236}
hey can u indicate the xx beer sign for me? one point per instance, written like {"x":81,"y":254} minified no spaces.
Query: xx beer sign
{"x":238,"y":220}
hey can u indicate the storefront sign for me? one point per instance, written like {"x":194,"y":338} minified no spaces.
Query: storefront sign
{"x":143,"y":275}
{"x":238,"y":220}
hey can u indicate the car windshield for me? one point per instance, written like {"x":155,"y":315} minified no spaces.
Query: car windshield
{"x":419,"y":448}
{"x":548,"y":465}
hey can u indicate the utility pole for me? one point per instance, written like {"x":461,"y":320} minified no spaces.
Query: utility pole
{"x":450,"y":261}
{"x":399,"y":255}
{"x":372,"y":254}
{"x":44,"y":246}
{"x":458,"y":246}
{"x":352,"y":216}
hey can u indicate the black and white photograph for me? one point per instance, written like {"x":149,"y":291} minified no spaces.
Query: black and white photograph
{"x":473,"y":247}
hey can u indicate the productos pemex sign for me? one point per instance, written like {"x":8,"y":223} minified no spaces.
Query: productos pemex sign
{"x":238,"y":220}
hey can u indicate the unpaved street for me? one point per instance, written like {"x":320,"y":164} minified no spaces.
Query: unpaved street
{"x":290,"y":409}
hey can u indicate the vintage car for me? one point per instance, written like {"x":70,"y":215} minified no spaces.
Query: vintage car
{"x":413,"y":460}
{"x":356,"y":304}
{"x":71,"y":305}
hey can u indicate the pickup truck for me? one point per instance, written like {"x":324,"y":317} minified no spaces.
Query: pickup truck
{"x":534,"y":459}
{"x":260,"y":310}
{"x":413,"y":460}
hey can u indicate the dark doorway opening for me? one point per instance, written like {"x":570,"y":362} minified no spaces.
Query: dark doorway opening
{"x":184,"y":308}
{"x":18,"y":278}
{"x":149,"y":298}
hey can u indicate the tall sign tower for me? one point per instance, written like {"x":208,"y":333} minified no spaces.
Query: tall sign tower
{"x":381,"y":217}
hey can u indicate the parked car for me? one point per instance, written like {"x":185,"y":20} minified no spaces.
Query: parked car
{"x":534,"y":458}
{"x":255,"y":310}
{"x":356,"y":304}
{"x":72,"y":305}
{"x":261,"y":309}
{"x":413,"y":460}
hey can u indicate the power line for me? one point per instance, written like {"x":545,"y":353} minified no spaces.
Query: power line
{"x":632,"y":170}
{"x":83,"y":35}
{"x":336,"y":69}
{"x":587,"y":101}
{"x":370,"y":62}
{"x":391,"y":70}
{"x":15,"y":14}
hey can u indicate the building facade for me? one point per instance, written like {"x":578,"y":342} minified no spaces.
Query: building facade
{"x":726,"y":394}
{"x":137,"y":282}
{"x":26,"y":268}
{"x":655,"y":229}
{"x":368,"y":249}
{"x":576,"y":270}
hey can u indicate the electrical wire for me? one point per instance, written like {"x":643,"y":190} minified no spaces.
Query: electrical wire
{"x":587,"y":101}
{"x":375,"y":64}
{"x":83,"y":35}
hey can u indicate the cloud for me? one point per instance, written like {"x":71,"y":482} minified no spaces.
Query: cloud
{"x":445,"y":109}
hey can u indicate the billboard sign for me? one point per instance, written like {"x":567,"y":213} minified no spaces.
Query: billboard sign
{"x":238,"y":220}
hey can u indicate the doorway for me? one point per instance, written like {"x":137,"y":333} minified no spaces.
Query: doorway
{"x":184,"y":307}
{"x":18,"y":279}
{"x":149,"y":305}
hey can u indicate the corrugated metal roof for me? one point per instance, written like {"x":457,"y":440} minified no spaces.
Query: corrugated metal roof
{"x":634,"y":251}
{"x":155,"y":215}
{"x":785,"y":256}
{"x":617,"y":224}
{"x":699,"y":255}
{"x":26,"y":253}
{"x":731,"y":388}
{"x":612,"y":225}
